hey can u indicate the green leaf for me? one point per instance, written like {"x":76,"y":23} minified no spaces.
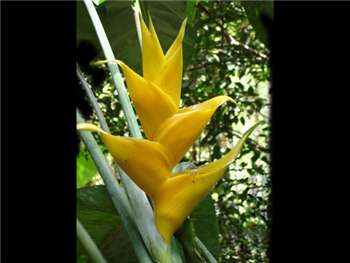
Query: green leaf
{"x":96,"y":212}
{"x":187,"y":235}
{"x":82,"y":258}
{"x":118,"y":20}
{"x":86,"y":169}
{"x":205,"y":223}
{"x":242,"y":120}
{"x":255,"y":10}
{"x":117,"y":248}
{"x":191,"y":9}
{"x":98,"y":2}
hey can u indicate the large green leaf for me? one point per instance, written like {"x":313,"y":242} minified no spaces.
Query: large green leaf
{"x":205,"y":223}
{"x":98,"y":2}
{"x":86,"y":169}
{"x":191,"y":9}
{"x":117,"y":248}
{"x":97,"y":214}
{"x":187,"y":234}
{"x":255,"y":10}
{"x":118,"y":20}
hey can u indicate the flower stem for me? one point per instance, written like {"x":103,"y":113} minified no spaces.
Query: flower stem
{"x":93,"y":100}
{"x":141,"y":208}
{"x":116,"y":192}
{"x":89,"y":244}
{"x":116,"y":76}
{"x":204,"y":251}
{"x":137,"y":12}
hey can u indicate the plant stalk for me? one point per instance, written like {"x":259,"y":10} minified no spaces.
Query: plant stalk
{"x":137,"y":13}
{"x":116,"y":76}
{"x":93,"y":101}
{"x":142,"y":210}
{"x":89,"y":244}
{"x":204,"y":251}
{"x":116,"y":192}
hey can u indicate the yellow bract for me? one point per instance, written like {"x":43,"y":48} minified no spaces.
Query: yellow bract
{"x":179,"y":195}
{"x":146,"y":162}
{"x":165,"y":71}
{"x":171,"y":131}
{"x":152,"y":104}
{"x":179,"y":132}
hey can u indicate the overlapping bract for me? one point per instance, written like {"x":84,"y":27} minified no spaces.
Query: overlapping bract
{"x":170,"y":132}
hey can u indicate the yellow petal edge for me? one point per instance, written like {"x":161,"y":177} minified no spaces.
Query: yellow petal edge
{"x":165,"y":71}
{"x":179,"y":132}
{"x":153,"y":105}
{"x":145,"y":162}
{"x":171,"y":132}
{"x":179,"y":195}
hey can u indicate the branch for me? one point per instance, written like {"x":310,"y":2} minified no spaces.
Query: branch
{"x":233,"y":41}
{"x":252,"y":143}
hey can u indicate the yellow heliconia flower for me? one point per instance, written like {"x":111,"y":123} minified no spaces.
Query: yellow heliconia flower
{"x":148,"y":164}
{"x":165,"y":71}
{"x":156,"y":95}
{"x":170,"y":132}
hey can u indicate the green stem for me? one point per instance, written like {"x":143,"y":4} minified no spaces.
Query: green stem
{"x":93,"y":101}
{"x":116,"y":76}
{"x":89,"y":244}
{"x":204,"y":251}
{"x":116,"y":192}
{"x":142,"y":210}
{"x":137,"y":13}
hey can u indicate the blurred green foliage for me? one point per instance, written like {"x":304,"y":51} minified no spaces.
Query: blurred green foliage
{"x":230,"y":59}
{"x":226,"y":54}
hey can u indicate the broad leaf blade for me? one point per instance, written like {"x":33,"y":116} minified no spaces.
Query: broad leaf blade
{"x":96,"y":212}
{"x":86,"y":169}
{"x":255,"y":10}
{"x":118,"y":20}
{"x":205,"y":223}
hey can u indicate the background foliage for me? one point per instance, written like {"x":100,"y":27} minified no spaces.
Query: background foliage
{"x":226,"y":52}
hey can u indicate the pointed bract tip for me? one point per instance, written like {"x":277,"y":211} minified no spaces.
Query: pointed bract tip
{"x":99,"y":62}
{"x":89,"y":127}
{"x":120,"y":63}
{"x":184,"y":23}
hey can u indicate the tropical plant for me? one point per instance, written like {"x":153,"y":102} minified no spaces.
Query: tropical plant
{"x":172,"y":127}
